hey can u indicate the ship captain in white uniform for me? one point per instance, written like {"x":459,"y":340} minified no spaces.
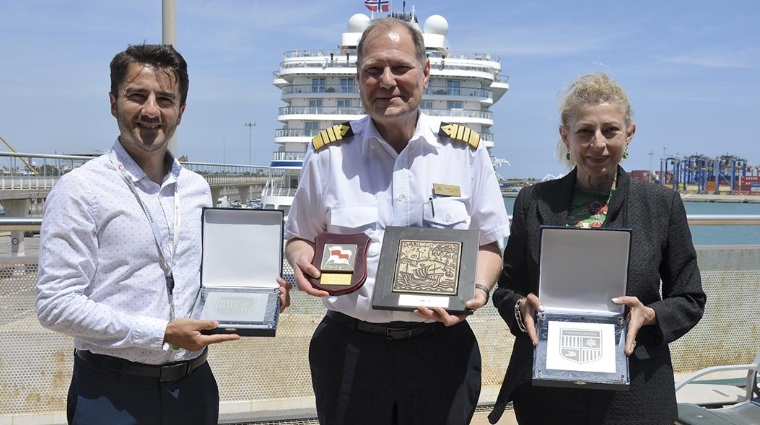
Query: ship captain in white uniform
{"x":394,"y":367}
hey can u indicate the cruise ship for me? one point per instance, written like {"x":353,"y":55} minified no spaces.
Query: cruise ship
{"x":319,"y":89}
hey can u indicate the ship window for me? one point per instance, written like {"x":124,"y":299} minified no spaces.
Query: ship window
{"x":312,"y":128}
{"x":318,"y":85}
{"x":454,"y":105}
{"x":315,"y":103}
{"x":344,"y":103}
{"x":426,"y":104}
{"x":347,"y":85}
{"x":452,"y":87}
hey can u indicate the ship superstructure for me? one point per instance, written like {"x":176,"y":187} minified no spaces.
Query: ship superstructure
{"x":320,"y":90}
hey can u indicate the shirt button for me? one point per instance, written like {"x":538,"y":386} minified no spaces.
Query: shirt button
{"x":448,"y":219}
{"x":401,"y":198}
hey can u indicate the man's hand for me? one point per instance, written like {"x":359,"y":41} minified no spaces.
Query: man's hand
{"x":439,"y":314}
{"x":186,"y":333}
{"x":285,"y":288}
{"x":299,"y":254}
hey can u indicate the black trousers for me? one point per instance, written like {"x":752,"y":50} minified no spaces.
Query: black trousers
{"x":101,"y":397}
{"x":650,"y":401}
{"x":364,"y":378}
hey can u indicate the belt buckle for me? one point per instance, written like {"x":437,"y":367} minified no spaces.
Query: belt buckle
{"x":174,"y":372}
{"x":390,"y":332}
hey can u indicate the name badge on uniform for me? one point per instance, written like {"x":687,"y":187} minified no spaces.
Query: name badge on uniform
{"x":446,"y":190}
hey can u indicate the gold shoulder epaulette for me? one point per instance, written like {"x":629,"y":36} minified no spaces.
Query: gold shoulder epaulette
{"x":461,"y":133}
{"x":332,"y":134}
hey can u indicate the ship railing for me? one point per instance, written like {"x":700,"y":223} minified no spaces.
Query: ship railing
{"x":278,"y":190}
{"x":459,"y":113}
{"x":465,"y":56}
{"x":289,"y":66}
{"x":501,"y":78}
{"x":288,"y":156}
{"x":353,"y":89}
{"x":296,"y":132}
{"x":255,"y":390}
{"x":319,"y":53}
{"x":327,"y":88}
{"x":335,"y":54}
{"x":320,"y":110}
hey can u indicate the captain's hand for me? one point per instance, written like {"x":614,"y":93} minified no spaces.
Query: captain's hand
{"x":186,"y":333}
{"x":300,"y":260}
{"x":440,"y":315}
{"x":478,"y":300}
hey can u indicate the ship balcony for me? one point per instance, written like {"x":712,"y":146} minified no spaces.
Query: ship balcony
{"x":299,"y":91}
{"x":462,"y":116}
{"x":315,"y":67}
{"x":294,"y":135}
{"x":319,"y":113}
{"x":499,"y":87}
{"x":464,"y":94}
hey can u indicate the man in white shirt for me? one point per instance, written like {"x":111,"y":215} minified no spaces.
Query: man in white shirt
{"x":119,"y":262}
{"x":394,"y":367}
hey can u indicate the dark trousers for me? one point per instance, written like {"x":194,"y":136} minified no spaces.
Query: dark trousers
{"x":364,"y":378}
{"x":650,"y":400}
{"x":101,"y":397}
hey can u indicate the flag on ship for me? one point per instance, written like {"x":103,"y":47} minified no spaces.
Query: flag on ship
{"x":377,"y":5}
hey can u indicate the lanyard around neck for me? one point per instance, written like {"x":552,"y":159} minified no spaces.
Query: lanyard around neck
{"x":166,"y":266}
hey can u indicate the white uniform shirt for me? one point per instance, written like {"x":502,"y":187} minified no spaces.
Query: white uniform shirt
{"x":363,"y":185}
{"x":99,"y":277}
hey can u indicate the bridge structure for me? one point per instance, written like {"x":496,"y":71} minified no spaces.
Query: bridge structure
{"x":26,"y":180}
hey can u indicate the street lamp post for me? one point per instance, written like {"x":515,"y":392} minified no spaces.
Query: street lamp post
{"x":250,"y":138}
{"x":651,"y":152}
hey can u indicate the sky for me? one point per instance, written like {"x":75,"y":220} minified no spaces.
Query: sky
{"x":691,"y":70}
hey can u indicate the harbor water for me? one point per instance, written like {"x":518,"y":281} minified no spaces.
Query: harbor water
{"x":711,"y":235}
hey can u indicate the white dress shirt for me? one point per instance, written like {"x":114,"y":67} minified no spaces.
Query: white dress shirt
{"x":363,"y":185}
{"x":99,"y":277}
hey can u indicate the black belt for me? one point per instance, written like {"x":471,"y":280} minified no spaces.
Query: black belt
{"x":167,"y":372}
{"x":392,"y":330}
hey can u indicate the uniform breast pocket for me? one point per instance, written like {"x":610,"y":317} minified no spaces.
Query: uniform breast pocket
{"x":354,"y":219}
{"x":446,"y":213}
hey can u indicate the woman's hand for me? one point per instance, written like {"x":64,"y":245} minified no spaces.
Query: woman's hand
{"x":638,"y":315}
{"x":529,"y":306}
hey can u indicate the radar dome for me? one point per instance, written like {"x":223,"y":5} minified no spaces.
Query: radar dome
{"x":436,"y":24}
{"x":358,"y":22}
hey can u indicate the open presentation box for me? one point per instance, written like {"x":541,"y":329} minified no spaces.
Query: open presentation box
{"x":242,"y":257}
{"x":581,"y":332}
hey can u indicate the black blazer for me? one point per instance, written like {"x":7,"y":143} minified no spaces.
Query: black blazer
{"x":661,"y":250}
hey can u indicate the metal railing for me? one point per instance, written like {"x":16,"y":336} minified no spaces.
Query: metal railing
{"x":256,"y":381}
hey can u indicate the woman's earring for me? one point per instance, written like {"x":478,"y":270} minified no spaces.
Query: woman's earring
{"x":625,"y":154}
{"x":567,"y":156}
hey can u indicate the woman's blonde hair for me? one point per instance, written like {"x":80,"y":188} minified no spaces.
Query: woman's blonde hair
{"x":590,"y":89}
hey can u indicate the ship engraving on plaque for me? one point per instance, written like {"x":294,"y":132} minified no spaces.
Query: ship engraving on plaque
{"x":580,"y":345}
{"x":427,"y":267}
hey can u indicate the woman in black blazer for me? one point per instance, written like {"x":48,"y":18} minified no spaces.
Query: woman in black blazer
{"x":596,"y":129}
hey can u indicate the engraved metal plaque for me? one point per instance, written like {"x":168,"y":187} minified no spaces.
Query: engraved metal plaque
{"x":426,"y":267}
